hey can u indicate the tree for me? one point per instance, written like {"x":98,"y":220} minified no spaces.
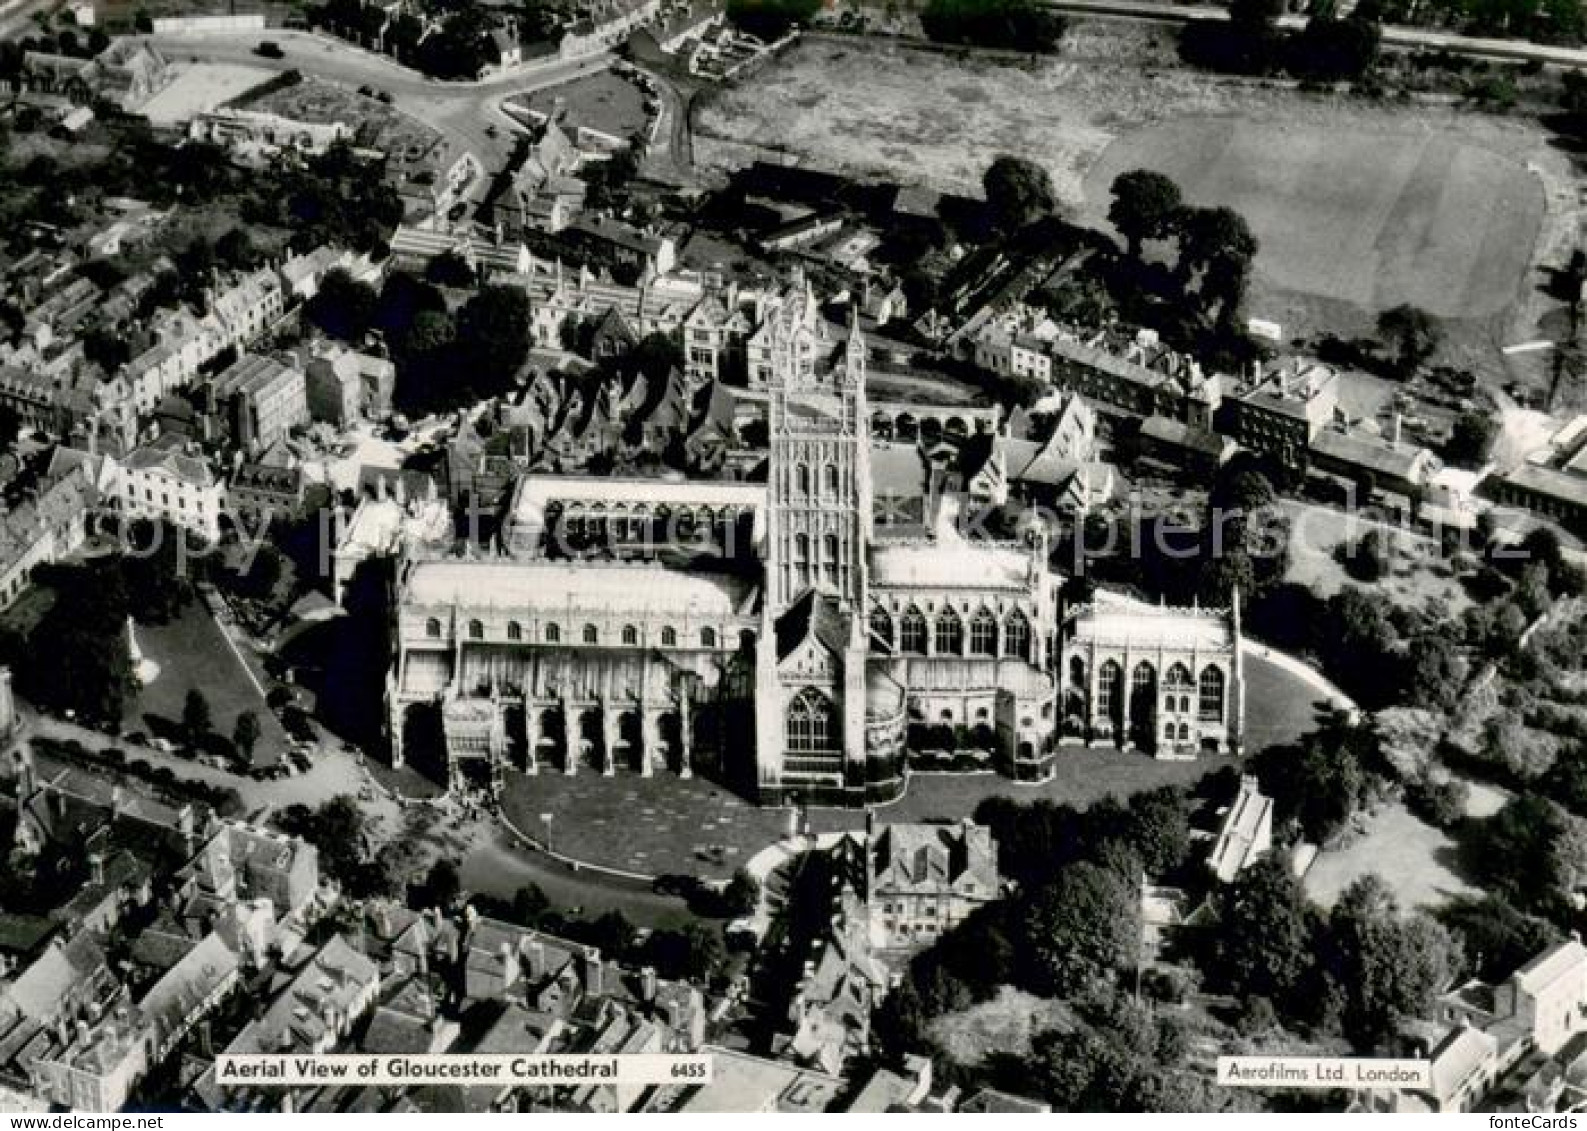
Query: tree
{"x":493,"y":333}
{"x":771,"y":19}
{"x":1017,"y":25}
{"x":1082,"y":929}
{"x":1372,"y":557}
{"x":246,"y":733}
{"x":1515,"y":854}
{"x":236,"y":250}
{"x":742,"y":894}
{"x":343,"y":307}
{"x":107,"y":348}
{"x":1146,"y":206}
{"x":1018,"y":191}
{"x":1412,"y":334}
{"x":197,"y":719}
{"x":449,"y":269}
{"x":442,"y":885}
{"x":1470,"y":438}
{"x":1435,"y":673}
{"x":264,"y":572}
{"x":1263,"y":947}
{"x":1494,"y":936}
{"x":1159,"y":828}
{"x":1217,"y":244}
{"x":530,"y":905}
{"x":1390,"y":967}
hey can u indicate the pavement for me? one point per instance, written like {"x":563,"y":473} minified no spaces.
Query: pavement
{"x":465,"y":111}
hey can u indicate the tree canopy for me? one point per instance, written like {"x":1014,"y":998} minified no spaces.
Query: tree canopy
{"x":1146,"y":206}
{"x":1018,"y":191}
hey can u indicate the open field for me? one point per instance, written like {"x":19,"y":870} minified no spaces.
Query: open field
{"x":1358,"y":204}
{"x":1420,"y":578}
{"x":1373,"y":218}
{"x":1408,"y":854}
{"x":201,"y":87}
{"x":602,"y":101}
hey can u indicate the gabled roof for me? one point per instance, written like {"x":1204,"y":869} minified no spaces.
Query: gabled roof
{"x":817,"y":615}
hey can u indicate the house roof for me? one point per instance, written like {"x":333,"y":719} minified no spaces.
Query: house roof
{"x":1237,"y":841}
{"x":926,"y":858}
{"x":40,"y":990}
{"x":189,"y":469}
{"x":954,"y":564}
{"x":193,"y":980}
{"x":1561,"y":960}
{"x":1166,"y":430}
{"x":1464,"y":1051}
{"x":1375,"y":454}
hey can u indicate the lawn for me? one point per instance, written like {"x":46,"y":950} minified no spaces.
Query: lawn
{"x":603,"y":101}
{"x":665,"y":824}
{"x":1420,"y":579}
{"x":1369,"y":217}
{"x":192,"y":653}
{"x":1410,"y":856}
{"x":651,"y":825}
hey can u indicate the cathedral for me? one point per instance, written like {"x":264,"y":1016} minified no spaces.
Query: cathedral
{"x":795,"y":640}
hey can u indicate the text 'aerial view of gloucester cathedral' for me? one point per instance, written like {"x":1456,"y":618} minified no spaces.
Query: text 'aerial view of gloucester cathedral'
{"x":788,"y":635}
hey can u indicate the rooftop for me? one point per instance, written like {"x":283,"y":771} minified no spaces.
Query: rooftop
{"x":585,"y":585}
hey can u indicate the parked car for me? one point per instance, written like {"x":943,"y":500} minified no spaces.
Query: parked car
{"x":269,"y":49}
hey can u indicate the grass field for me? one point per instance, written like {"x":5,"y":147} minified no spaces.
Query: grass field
{"x":1409,"y":855}
{"x":665,"y":824}
{"x":1372,"y":218}
{"x":602,"y":101}
{"x":1359,"y":205}
{"x":192,"y":653}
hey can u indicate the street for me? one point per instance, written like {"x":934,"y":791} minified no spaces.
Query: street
{"x":465,"y":111}
{"x":493,"y":864}
{"x":1393,"y":36}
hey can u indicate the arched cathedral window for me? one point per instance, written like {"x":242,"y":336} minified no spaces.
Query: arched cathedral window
{"x":1016,"y":635}
{"x":812,"y":726}
{"x":912,"y":632}
{"x":882,"y":626}
{"x":950,"y":633}
{"x":1211,"y":695}
{"x":983,"y":634}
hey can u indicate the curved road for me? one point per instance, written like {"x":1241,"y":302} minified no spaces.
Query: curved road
{"x":494,"y":866}
{"x":465,"y":111}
